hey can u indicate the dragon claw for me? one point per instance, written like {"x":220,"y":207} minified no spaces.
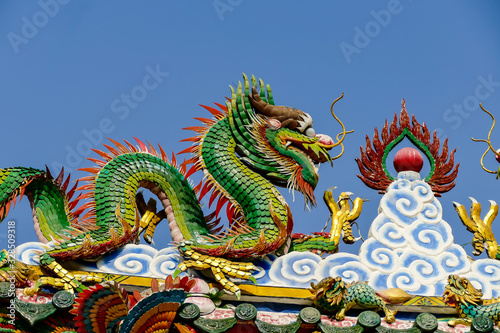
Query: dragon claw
{"x":253,"y":280}
{"x":220,"y":268}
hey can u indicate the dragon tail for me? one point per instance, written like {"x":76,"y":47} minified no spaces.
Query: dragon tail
{"x":49,"y":199}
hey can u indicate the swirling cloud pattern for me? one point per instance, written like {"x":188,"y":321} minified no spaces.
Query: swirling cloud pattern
{"x":296,"y":269}
{"x":429,"y":238}
{"x":345,"y":265}
{"x":28,"y":252}
{"x":410,"y":246}
{"x":378,"y":257}
{"x":388,"y":232}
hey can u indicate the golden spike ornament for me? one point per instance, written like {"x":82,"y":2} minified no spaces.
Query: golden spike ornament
{"x":342,"y":215}
{"x":480,"y":227}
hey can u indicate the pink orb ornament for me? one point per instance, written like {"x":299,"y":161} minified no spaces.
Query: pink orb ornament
{"x":497,"y":155}
{"x":408,"y":159}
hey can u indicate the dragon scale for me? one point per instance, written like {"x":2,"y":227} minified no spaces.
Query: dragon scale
{"x":253,"y":195}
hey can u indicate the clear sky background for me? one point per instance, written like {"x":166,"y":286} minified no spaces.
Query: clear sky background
{"x":67,"y":68}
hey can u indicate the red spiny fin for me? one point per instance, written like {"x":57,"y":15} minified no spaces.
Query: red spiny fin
{"x":163,"y":155}
{"x":60,"y":177}
{"x":73,"y":204}
{"x":191,"y":149}
{"x":21,"y":192}
{"x":72,"y":191}
{"x":214,"y":195}
{"x":79,"y":211}
{"x":87,"y":195}
{"x":220,"y":203}
{"x":152,"y":150}
{"x":174,"y":160}
{"x":223,"y":107}
{"x":192,"y":170}
{"x":47,"y":171}
{"x":194,"y":139}
{"x":111,"y":149}
{"x":87,"y":205}
{"x":217,"y":229}
{"x":197,"y":188}
{"x":88,"y":179}
{"x":120,"y":147}
{"x":214,"y":223}
{"x":142,"y":145}
{"x":206,"y":187}
{"x":14,"y":201}
{"x":104,"y":155}
{"x":185,"y":163}
{"x":216,"y":113}
{"x":64,"y":186}
{"x":183,"y":169}
{"x":85,"y":187}
{"x":207,"y":121}
{"x":91,"y":170}
{"x":197,"y":129}
{"x":132,"y":148}
{"x":230,"y":212}
{"x":209,"y":217}
{"x":100,"y":163}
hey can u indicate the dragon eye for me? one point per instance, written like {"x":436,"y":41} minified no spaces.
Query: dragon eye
{"x":310,"y":132}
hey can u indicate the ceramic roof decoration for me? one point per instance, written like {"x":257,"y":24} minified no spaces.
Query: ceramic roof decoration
{"x":256,"y":275}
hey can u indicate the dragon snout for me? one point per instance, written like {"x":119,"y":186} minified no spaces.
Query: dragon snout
{"x":325,"y":139}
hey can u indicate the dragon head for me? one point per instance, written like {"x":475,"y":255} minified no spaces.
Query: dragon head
{"x":331,"y":289}
{"x":288,"y":150}
{"x":460,"y":290}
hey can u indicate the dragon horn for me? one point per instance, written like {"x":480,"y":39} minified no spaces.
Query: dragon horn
{"x":261,"y":106}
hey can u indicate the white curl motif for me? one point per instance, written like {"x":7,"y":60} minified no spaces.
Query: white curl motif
{"x":165,"y":262}
{"x":387,"y":232}
{"x":404,"y":279}
{"x":399,"y":184}
{"x":454,"y":260}
{"x":430,"y":238}
{"x":295,"y":269}
{"x":432,"y":212}
{"x":401,"y":206}
{"x":137,"y":264}
{"x":377,"y":256}
{"x":27,"y":252}
{"x":422,"y":190}
{"x":131,"y":259}
{"x":488,"y":269}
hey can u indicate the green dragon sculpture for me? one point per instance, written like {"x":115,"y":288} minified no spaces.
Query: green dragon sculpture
{"x":460,"y":293}
{"x":331,"y":295}
{"x":248,"y":147}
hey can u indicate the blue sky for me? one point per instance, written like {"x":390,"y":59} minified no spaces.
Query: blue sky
{"x":73,"y":73}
